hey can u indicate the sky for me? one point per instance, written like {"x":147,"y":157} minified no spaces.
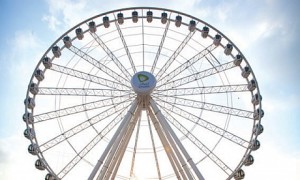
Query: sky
{"x":266,"y":31}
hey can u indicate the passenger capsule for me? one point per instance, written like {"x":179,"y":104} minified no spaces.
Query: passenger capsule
{"x":67,"y":41}
{"x":50,"y":177}
{"x":238,"y":60}
{"x":240,"y":174}
{"x":258,"y":114}
{"x":39,"y":75}
{"x":29,"y":102}
{"x":228,"y":49}
{"x":178,"y":21}
{"x":255,"y":144}
{"x":106,"y":21}
{"x":28,"y":117}
{"x":120,"y":18}
{"x":246,"y":71}
{"x":258,"y":129}
{"x":205,"y":31}
{"x":79,"y":33}
{"x":56,"y":51}
{"x":135,"y":16}
{"x":249,"y":160}
{"x":252,"y":85}
{"x":217,"y":39}
{"x":33,"y":88}
{"x":192,"y":25}
{"x":164,"y":18}
{"x":33,"y":149}
{"x":29,"y":133}
{"x":256,"y":99}
{"x":40,"y":164}
{"x":47,"y":62}
{"x":92,"y":27}
{"x":149,"y":16}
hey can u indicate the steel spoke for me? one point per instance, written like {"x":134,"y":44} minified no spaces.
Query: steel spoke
{"x":99,"y":65}
{"x":112,"y":56}
{"x":187,"y":64}
{"x":79,"y":156}
{"x":206,"y":106}
{"x":196,"y":76}
{"x":174,"y":55}
{"x":205,"y":124}
{"x":197,"y":143}
{"x":82,"y":92}
{"x":79,"y":108}
{"x":82,"y":126}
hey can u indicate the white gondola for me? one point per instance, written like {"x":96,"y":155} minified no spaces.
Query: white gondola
{"x":255,"y":145}
{"x":106,"y":21}
{"x":92,"y":27}
{"x":256,"y":99}
{"x":39,"y":75}
{"x":238,"y":60}
{"x":33,"y":88}
{"x":56,"y":51}
{"x":252,"y":85}
{"x":135,"y":16}
{"x":164,"y":18}
{"x":67,"y":41}
{"x":47,"y":62}
{"x":149,"y":16}
{"x":249,"y":160}
{"x":240,"y":174}
{"x":49,"y":177}
{"x":178,"y":21}
{"x":204,"y":32}
{"x":258,"y":114}
{"x":28,"y":117}
{"x":29,"y":133}
{"x":29,"y":102}
{"x":192,"y":25}
{"x":217,"y":39}
{"x":40,"y":164}
{"x":120,"y":18}
{"x":246,"y":71}
{"x":228,"y":49}
{"x":79,"y":33}
{"x":33,"y":149}
{"x":258,"y":129}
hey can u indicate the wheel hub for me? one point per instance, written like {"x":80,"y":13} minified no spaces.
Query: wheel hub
{"x":143,"y":83}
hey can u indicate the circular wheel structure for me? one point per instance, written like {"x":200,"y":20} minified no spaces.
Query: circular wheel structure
{"x":143,"y":93}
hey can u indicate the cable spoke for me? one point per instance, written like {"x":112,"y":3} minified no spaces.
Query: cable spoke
{"x":88,"y":77}
{"x":82,"y":126}
{"x":112,"y":56}
{"x":198,"y":143}
{"x":205,"y":124}
{"x":202,"y":90}
{"x":79,"y":108}
{"x":187,"y":64}
{"x":99,"y":65}
{"x":174,"y":56}
{"x":206,"y":106}
{"x":82,"y":92}
{"x":79,"y":156}
{"x":196,"y":76}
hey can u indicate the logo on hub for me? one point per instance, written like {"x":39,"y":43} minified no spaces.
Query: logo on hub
{"x":142,"y":77}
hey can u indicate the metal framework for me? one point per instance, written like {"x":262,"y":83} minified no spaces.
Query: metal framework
{"x":143,"y":93}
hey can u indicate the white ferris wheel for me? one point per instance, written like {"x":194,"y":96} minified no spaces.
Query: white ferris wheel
{"x":143,"y":93}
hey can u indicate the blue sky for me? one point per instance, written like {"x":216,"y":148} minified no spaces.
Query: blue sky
{"x":266,"y":31}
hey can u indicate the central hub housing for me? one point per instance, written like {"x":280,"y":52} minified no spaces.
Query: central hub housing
{"x":143,"y":83}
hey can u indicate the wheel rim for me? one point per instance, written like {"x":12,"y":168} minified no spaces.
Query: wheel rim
{"x":204,"y":94}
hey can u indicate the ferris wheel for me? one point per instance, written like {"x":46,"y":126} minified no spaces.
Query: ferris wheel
{"x":143,"y":93}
